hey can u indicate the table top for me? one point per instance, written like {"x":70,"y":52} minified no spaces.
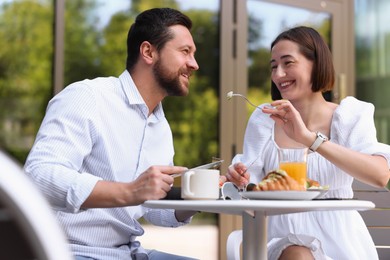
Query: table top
{"x":270,"y":207}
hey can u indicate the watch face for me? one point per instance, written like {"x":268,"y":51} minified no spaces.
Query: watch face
{"x":322,"y":136}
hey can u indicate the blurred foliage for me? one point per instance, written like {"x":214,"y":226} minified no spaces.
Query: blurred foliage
{"x":25,"y":72}
{"x":137,"y":6}
{"x":114,"y":51}
{"x":205,"y":30}
{"x":83,"y":42}
{"x":90,"y":51}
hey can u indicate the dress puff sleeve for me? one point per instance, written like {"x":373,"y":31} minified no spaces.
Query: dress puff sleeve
{"x":353,"y":127}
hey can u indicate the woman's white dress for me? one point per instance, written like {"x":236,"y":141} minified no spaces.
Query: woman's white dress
{"x":329,"y":234}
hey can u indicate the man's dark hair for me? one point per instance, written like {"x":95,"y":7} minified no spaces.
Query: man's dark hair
{"x":314,"y":48}
{"x":153,"y":26}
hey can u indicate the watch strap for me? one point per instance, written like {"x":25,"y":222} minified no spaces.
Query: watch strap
{"x":319,"y":140}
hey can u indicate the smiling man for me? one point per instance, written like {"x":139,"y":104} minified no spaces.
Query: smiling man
{"x":105,"y":146}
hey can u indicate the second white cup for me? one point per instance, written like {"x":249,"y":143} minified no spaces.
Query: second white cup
{"x":200,"y":184}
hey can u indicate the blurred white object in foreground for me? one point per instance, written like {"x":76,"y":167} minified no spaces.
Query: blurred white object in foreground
{"x":21,"y":203}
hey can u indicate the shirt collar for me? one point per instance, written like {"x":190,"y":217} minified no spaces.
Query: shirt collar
{"x":135,"y":98}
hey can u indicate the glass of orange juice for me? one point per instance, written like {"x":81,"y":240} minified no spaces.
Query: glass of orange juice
{"x":293,"y":161}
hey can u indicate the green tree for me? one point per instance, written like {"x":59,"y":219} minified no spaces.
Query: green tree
{"x":205,"y":31}
{"x":194,"y":119}
{"x":82,"y":42}
{"x":259,"y":70}
{"x":26,"y":66}
{"x":25,"y":72}
{"x":114,"y":51}
{"x":137,"y":6}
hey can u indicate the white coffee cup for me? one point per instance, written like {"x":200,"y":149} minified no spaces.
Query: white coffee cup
{"x":200,"y":184}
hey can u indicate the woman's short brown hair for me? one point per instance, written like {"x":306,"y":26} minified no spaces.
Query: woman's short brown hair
{"x":314,"y":48}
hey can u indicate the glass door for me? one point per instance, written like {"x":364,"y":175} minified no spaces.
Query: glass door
{"x":247,"y":30}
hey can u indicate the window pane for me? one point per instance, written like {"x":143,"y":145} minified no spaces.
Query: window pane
{"x":373,"y":60}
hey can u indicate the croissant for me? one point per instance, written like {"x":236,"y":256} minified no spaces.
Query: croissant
{"x":278,"y":180}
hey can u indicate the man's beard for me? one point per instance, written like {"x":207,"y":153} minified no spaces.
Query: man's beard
{"x":168,"y":81}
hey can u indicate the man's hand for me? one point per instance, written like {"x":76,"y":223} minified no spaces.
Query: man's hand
{"x":154,"y":183}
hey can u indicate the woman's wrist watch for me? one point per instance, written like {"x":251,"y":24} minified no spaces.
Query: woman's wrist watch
{"x":319,"y":140}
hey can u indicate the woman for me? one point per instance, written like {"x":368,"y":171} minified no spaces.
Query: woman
{"x":302,"y":70}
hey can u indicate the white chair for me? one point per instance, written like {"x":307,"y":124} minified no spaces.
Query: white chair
{"x":233,"y":245}
{"x":23,"y":209}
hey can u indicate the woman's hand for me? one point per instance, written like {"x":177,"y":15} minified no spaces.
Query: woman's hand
{"x":238,"y":175}
{"x":288,"y":118}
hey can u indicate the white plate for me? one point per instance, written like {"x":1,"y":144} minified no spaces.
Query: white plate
{"x":321,"y":191}
{"x":281,"y":195}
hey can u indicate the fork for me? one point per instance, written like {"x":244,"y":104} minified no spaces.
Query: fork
{"x":240,"y":189}
{"x":230,"y":95}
